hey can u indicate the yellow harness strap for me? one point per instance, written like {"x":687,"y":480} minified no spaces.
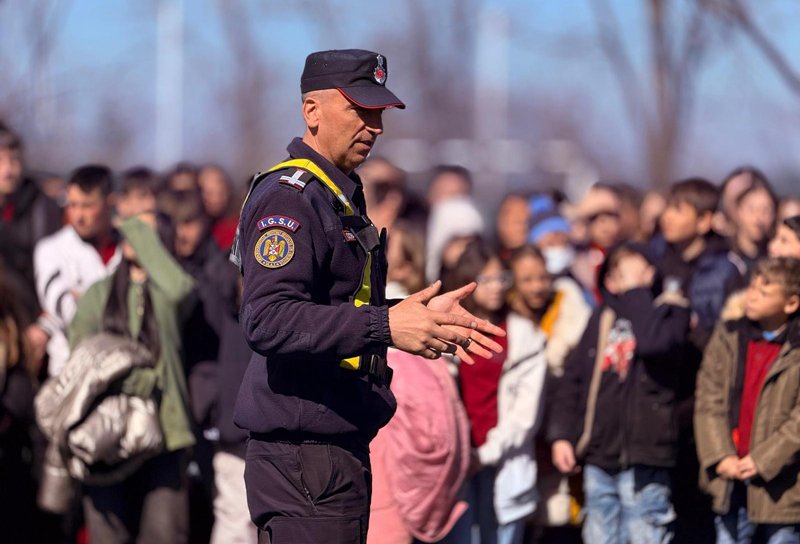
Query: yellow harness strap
{"x":362,"y":296}
{"x":305,"y":164}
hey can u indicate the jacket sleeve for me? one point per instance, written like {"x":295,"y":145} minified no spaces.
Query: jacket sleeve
{"x":781,"y":448}
{"x":514,"y":428}
{"x":711,"y":428}
{"x":162,"y":269}
{"x":88,"y":319}
{"x":52,"y":287}
{"x":661,"y":325}
{"x":280,"y":315}
{"x":566,"y":406}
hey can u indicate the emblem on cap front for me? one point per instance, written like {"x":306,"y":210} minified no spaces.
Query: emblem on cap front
{"x":380,"y":71}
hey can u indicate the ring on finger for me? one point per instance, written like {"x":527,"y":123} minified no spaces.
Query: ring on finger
{"x":469,"y":343}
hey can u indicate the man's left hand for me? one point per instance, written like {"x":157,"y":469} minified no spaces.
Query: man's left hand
{"x":481,"y":344}
{"x":746,"y":468}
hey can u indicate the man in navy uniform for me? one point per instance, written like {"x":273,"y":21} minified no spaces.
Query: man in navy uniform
{"x":316,"y":390}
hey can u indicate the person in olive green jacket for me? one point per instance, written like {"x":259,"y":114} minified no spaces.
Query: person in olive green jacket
{"x":147,"y":298}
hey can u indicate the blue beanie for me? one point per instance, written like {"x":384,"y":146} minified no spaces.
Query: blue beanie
{"x":545,"y":218}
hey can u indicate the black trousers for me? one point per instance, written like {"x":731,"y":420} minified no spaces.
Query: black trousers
{"x":305,"y":493}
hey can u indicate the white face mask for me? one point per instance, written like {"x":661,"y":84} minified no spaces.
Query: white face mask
{"x":558,"y":259}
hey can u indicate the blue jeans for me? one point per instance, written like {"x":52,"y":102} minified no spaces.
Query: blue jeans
{"x":478,"y":523}
{"x":735,"y":528}
{"x":631,"y":505}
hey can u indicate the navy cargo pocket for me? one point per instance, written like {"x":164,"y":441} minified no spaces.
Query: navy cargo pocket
{"x":315,"y":530}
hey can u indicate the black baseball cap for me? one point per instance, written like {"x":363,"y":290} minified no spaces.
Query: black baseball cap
{"x":358,"y":74}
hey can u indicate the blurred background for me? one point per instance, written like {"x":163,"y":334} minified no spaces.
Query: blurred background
{"x":527,"y":93}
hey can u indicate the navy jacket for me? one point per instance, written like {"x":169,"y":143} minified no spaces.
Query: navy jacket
{"x":635,"y":420}
{"x":301,"y":271}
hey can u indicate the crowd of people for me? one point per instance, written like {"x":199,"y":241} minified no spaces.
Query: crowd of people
{"x":648,"y":389}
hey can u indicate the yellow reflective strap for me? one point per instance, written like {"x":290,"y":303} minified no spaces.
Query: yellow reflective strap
{"x":306,"y":164}
{"x":364,"y":293}
{"x":361,"y":299}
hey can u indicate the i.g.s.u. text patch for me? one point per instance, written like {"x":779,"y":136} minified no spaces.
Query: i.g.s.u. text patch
{"x":278,"y":221}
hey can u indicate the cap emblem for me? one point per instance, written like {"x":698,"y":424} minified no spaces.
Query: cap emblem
{"x":380,"y":71}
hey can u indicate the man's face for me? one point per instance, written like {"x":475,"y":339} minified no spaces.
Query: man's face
{"x":88,"y":213}
{"x":679,"y":222}
{"x":345,"y":133}
{"x":767,"y":300}
{"x":188,"y":235}
{"x":10,"y":171}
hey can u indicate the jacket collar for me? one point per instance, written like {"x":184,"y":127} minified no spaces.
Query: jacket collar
{"x":349,"y":185}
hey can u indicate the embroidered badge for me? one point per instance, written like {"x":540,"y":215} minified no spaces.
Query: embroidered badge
{"x":348,"y":235}
{"x":299,"y":179}
{"x":278,"y":221}
{"x":379,"y":73}
{"x":274,"y":249}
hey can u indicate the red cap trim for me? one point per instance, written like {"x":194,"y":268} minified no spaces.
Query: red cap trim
{"x":397,"y":104}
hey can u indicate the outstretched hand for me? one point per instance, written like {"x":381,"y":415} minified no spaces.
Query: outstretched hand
{"x":421,"y":330}
{"x":479,"y":343}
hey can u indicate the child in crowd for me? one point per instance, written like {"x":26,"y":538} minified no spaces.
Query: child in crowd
{"x":502,"y":396}
{"x":789,"y":207}
{"x":512,"y":224}
{"x":747,"y":415}
{"x":18,"y":489}
{"x":405,"y":253}
{"x":694,"y":260}
{"x":616,"y":404}
{"x":786,"y":242}
{"x":556,"y":306}
{"x":756,"y":208}
{"x":138,"y":190}
{"x":145,"y":299}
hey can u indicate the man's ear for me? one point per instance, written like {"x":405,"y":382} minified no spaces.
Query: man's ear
{"x":792,"y":305}
{"x":704,"y":223}
{"x":311,"y":111}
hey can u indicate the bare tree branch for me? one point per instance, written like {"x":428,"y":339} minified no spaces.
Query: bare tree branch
{"x":739,"y":14}
{"x":608,"y":31}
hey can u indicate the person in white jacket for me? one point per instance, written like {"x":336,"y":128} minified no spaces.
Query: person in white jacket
{"x":502,"y":396}
{"x":70,"y":260}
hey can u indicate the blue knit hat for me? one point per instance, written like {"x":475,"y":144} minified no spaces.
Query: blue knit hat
{"x":545,"y":218}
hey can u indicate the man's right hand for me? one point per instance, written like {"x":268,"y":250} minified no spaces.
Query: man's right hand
{"x":564,"y":456}
{"x":421,"y":331}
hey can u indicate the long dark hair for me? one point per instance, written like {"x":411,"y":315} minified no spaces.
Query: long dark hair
{"x":469,"y":266}
{"x":116,"y":317}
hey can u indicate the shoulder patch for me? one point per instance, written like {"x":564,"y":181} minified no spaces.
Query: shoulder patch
{"x":278,"y":221}
{"x":274,"y":249}
{"x":298,"y":179}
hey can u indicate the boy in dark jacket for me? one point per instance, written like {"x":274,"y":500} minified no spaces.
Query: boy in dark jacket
{"x":695,"y":260}
{"x":747,"y":416}
{"x":616,"y":404}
